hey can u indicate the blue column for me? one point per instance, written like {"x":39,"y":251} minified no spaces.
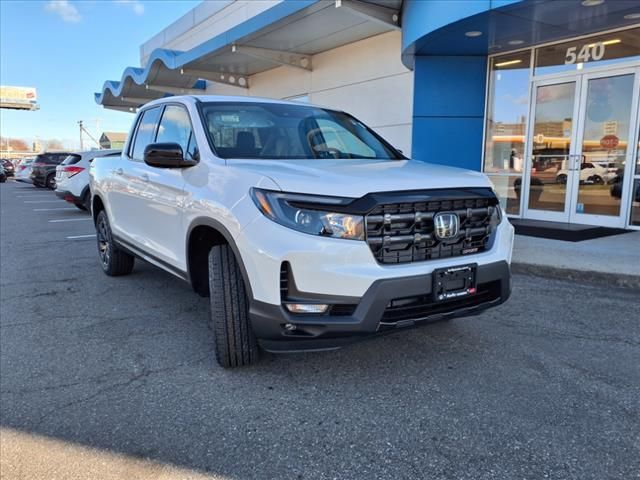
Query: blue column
{"x":448,"y":110}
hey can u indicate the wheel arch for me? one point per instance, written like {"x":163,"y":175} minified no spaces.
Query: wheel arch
{"x":97,"y":205}
{"x":204,"y":233}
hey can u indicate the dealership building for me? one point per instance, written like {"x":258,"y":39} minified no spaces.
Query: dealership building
{"x":541,"y":95}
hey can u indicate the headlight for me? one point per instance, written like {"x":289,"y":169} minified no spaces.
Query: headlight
{"x":285,"y":209}
{"x":496,"y":217}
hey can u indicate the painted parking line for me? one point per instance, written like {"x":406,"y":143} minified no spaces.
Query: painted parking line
{"x":54,"y":209}
{"x":43,"y":201}
{"x":77,"y":237}
{"x":70,"y":220}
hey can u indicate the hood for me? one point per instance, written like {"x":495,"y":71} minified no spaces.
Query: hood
{"x":356,"y":178}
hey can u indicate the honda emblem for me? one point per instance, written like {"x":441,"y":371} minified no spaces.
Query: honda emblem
{"x":446,"y":225}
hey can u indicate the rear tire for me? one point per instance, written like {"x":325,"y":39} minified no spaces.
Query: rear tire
{"x":114,"y":262}
{"x":50,"y":183}
{"x":235,"y":342}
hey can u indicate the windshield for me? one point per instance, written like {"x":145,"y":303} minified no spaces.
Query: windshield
{"x":282,"y":131}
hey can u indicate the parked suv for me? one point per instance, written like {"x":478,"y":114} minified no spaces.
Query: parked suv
{"x":304,"y":227}
{"x":72,"y":177}
{"x":23,"y":170}
{"x":9,"y":168}
{"x":43,"y":169}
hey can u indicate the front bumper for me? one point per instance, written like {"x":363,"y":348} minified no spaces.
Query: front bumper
{"x":335,"y":267}
{"x":279,"y":330}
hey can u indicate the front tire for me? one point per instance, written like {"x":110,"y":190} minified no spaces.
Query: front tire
{"x":114,"y":262}
{"x":51,"y":182}
{"x":235,"y":342}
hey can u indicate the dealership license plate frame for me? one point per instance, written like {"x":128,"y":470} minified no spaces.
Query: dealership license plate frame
{"x":446,"y":282}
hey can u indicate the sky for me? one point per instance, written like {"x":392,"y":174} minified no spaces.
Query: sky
{"x":67,"y":49}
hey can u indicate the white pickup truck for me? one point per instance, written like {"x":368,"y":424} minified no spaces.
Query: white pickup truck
{"x":305,"y":228}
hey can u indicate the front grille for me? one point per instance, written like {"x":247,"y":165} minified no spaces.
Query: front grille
{"x":423,"y":306}
{"x":404,"y":232}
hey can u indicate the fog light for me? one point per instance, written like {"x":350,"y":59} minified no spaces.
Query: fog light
{"x":306,"y":307}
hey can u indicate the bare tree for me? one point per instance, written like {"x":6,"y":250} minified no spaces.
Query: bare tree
{"x":54,"y":144}
{"x":15,"y":144}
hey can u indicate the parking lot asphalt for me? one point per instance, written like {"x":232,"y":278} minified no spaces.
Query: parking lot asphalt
{"x":545,"y":386}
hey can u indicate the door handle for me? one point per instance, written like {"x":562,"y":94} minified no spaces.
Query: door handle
{"x":144,"y":177}
{"x":119,"y":171}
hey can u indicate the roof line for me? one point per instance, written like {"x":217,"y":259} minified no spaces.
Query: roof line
{"x":174,"y":60}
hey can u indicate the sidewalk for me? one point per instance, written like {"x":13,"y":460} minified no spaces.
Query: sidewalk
{"x":613,"y":260}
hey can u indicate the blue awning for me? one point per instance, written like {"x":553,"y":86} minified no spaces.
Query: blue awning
{"x":481,"y":27}
{"x":288,"y":33}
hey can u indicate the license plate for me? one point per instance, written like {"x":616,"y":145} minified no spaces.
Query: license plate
{"x":454,"y":282}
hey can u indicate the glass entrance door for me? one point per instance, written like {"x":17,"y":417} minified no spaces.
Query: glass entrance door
{"x":580,"y":156}
{"x":605,"y":144}
{"x":552,"y":152}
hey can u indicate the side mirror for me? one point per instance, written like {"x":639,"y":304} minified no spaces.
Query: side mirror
{"x":166,"y":155}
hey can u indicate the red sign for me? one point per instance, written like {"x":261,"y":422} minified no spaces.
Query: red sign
{"x":609,"y":141}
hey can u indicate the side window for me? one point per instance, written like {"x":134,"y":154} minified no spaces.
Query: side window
{"x":146,"y":131}
{"x":175,"y":127}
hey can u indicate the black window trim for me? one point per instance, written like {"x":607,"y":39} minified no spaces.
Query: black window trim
{"x":141,"y":113}
{"x":184,"y":107}
{"x":135,"y":136}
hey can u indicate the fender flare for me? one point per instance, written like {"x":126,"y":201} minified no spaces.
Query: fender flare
{"x":219,"y":227}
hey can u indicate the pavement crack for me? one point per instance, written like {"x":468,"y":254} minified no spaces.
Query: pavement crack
{"x":140,"y":377}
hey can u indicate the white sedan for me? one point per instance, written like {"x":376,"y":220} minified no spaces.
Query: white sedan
{"x":589,"y":173}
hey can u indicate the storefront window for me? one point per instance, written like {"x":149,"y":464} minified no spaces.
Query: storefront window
{"x":506,"y":126}
{"x":635,"y":194}
{"x":596,"y":51}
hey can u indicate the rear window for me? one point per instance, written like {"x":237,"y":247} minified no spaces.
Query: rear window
{"x":51,"y":158}
{"x":71,"y":160}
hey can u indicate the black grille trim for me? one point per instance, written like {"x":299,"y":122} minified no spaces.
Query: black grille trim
{"x":284,"y":281}
{"x":422,"y":307}
{"x":403,"y":232}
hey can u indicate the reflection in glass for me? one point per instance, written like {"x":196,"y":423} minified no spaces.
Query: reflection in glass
{"x":550,"y":159}
{"x":638,"y":154}
{"x":635,"y":196}
{"x":507,"y":113}
{"x":508,"y":188}
{"x":635,"y":205}
{"x":604,"y":144}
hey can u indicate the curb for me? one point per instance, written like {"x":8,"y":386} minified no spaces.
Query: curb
{"x":583,"y":276}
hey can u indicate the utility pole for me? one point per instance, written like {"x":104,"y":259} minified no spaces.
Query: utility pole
{"x":84,"y":130}
{"x":81,"y":128}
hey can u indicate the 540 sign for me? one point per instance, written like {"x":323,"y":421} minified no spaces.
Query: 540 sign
{"x":592,"y":51}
